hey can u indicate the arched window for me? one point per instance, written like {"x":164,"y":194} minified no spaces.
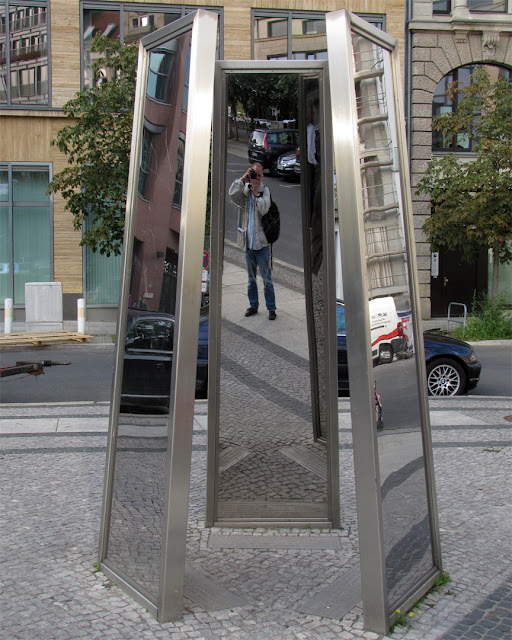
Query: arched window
{"x":441,"y":104}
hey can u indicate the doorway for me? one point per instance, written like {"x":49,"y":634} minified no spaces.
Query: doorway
{"x":457,"y":281}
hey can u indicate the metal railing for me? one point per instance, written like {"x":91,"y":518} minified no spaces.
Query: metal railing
{"x":457,"y":319}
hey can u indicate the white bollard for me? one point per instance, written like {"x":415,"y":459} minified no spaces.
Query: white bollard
{"x":8,"y":315}
{"x":80,"y":304}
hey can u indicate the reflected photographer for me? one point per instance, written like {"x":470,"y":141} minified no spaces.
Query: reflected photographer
{"x":253,"y":202}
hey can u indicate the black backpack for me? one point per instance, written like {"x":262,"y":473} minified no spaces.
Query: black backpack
{"x":271,"y":223}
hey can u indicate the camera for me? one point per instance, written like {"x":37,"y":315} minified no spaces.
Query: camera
{"x":252,"y":174}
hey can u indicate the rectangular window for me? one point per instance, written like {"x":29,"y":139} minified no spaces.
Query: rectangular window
{"x":102,"y":276}
{"x":25,"y":229}
{"x":488,"y":6}
{"x":293,"y":35}
{"x":441,"y":7}
{"x":127,"y":22}
{"x":24,"y":55}
{"x":178,"y":184}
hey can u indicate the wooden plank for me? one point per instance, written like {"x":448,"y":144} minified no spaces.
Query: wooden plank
{"x":41,"y":338}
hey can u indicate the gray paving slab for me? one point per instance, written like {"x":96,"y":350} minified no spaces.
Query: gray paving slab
{"x":51,"y":498}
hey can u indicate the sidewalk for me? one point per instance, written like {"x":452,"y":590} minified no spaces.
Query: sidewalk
{"x":264,"y":584}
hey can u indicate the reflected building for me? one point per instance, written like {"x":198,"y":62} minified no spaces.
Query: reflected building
{"x":23,"y":55}
{"x":157,"y":225}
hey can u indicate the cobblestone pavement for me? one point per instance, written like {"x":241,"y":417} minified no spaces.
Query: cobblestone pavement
{"x":52,"y":477}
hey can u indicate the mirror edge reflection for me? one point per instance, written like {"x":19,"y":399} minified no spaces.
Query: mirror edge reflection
{"x":204,"y":27}
{"x":373,"y":558}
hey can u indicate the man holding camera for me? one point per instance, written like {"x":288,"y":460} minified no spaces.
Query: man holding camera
{"x":253,"y":201}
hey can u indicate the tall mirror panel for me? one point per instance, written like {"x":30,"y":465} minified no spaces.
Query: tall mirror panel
{"x":137,"y":515}
{"x":272,"y":423}
{"x":397,"y":516}
{"x":405,"y":510}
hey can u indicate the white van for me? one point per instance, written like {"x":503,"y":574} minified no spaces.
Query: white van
{"x":389,"y":334}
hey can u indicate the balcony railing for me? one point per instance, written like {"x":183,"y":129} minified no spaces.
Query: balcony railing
{"x":31,"y":52}
{"x":27,"y":22}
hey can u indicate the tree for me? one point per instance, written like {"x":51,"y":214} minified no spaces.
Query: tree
{"x":97,"y":144}
{"x":259,"y":93}
{"x":472,"y":200}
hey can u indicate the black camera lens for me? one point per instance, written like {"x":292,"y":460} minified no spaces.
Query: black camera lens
{"x":252,"y":174}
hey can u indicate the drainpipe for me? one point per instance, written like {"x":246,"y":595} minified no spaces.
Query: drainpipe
{"x":408,"y":77}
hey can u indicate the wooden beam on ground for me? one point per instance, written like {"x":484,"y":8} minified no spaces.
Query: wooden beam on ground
{"x":40,"y":338}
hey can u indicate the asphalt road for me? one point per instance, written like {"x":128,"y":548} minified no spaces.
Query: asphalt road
{"x":89,"y":376}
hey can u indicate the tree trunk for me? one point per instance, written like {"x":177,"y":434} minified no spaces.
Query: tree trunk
{"x":495,"y":269}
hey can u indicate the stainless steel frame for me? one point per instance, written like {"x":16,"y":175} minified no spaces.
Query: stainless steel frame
{"x":341,"y":26}
{"x":302,"y":69}
{"x":203,"y":26}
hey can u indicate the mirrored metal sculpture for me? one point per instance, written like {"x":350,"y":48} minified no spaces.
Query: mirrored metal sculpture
{"x":400,"y":553}
{"x":148,"y":459}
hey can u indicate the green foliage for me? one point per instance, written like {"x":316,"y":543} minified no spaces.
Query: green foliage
{"x":259,"y":93}
{"x":472,"y":201}
{"x":488,"y":321}
{"x":403,"y":618}
{"x":97,"y":144}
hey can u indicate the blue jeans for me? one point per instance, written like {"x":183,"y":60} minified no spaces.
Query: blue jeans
{"x":260,"y":258}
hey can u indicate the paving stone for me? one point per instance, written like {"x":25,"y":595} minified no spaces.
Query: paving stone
{"x":53,"y":486}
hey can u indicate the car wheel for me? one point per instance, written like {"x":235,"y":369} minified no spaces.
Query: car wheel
{"x":273,"y":168}
{"x":445,"y":377}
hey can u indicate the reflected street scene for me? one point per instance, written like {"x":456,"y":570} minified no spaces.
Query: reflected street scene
{"x":405,"y":507}
{"x":136,"y":519}
{"x":271,"y":457}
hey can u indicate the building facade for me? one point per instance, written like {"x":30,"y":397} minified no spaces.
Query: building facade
{"x":45,"y":59}
{"x":446,"y":39}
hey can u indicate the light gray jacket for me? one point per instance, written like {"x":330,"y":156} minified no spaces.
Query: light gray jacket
{"x":239,"y":194}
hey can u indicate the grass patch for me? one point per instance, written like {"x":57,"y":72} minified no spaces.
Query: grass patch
{"x":404,"y":618}
{"x":488,"y":320}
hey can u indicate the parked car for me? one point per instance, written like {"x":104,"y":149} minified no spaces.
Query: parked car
{"x":286,"y":164}
{"x":266,"y":146}
{"x":148,"y":359}
{"x":452,"y":365}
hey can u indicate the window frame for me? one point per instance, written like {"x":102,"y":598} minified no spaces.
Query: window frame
{"x":491,"y":11}
{"x":293,"y":14}
{"x":121,"y":7}
{"x":11,"y":204}
{"x":455,"y":73}
{"x":40,"y":106}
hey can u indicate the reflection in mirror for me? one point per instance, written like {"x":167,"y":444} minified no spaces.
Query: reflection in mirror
{"x":405,"y":511}
{"x":141,"y":445}
{"x":271,"y":467}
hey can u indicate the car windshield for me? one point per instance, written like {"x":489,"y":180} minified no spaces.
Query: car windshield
{"x":283,"y":137}
{"x":257,"y":137}
{"x":340,"y":317}
{"x":151,"y":333}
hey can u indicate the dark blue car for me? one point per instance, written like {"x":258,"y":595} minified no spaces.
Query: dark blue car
{"x":148,"y":355}
{"x":452,"y":366}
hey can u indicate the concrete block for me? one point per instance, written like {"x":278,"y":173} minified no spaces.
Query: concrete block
{"x":433,"y":72}
{"x":470,"y":50}
{"x":438,"y":57}
{"x":424,"y":83}
{"x":425,"y":40}
{"x":418,"y":68}
{"x":419,"y":167}
{"x":421,"y":125}
{"x":422,"y":110}
{"x":447,"y":44}
{"x":422,"y":138}
{"x":421,"y":54}
{"x":421,"y":97}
